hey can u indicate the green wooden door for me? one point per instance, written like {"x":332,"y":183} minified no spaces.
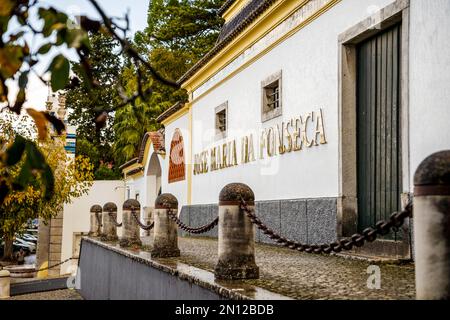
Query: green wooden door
{"x":378,"y":127}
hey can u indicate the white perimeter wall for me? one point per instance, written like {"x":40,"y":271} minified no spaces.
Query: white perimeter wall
{"x":429,"y":79}
{"x":77,"y":214}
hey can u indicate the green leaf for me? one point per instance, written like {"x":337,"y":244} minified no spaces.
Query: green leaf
{"x":20,"y":100}
{"x":24,"y":176}
{"x":14,"y":153}
{"x":49,"y":182}
{"x":45,"y":48}
{"x":11,"y":59}
{"x":60,"y":68}
{"x":6,"y":7}
{"x":23,"y":80}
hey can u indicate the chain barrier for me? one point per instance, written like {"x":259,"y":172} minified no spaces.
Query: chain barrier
{"x":189,"y":229}
{"x":145,"y":227}
{"x":395,"y":221}
{"x":114,"y":219}
{"x":46,"y":268}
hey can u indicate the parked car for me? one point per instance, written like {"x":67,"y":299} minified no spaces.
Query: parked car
{"x":31,"y":247}
{"x":29,"y":238}
{"x":17,"y":245}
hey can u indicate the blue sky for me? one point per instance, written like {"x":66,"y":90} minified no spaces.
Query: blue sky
{"x":137,"y":10}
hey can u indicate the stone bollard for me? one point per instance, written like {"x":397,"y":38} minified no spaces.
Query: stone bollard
{"x":95,"y":229}
{"x":432,"y":227}
{"x":130,"y":228}
{"x":109,"y":222}
{"x":236,"y":235}
{"x":5,"y":284}
{"x":165,"y":234}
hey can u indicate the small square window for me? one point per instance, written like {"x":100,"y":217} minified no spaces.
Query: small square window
{"x":271,"y":97}
{"x":221,"y":121}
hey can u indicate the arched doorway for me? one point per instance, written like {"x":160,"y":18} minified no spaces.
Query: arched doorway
{"x":153,"y":188}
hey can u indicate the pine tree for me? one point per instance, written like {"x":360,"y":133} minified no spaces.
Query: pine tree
{"x":178,"y":34}
{"x":85,"y":102}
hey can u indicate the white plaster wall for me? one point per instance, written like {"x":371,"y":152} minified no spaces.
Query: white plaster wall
{"x":178,"y":189}
{"x":77,"y":214}
{"x":429,"y":79}
{"x":309,"y":62}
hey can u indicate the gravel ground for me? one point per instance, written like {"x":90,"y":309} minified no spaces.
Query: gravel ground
{"x":310,"y":276}
{"x":67,"y":294}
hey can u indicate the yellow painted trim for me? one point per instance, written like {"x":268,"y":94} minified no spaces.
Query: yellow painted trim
{"x":260,"y":27}
{"x":132,"y":167}
{"x":253,"y":33}
{"x":189,"y":164}
{"x":134,"y":176}
{"x":234,"y":9}
{"x":175,"y":116}
{"x":269,"y":48}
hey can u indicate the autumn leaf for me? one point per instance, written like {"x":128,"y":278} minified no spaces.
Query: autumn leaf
{"x":60,"y":69}
{"x":6,"y":7}
{"x":41,"y":122}
{"x":10,"y":60}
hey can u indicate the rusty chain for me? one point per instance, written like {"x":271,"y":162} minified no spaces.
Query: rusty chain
{"x":189,"y":229}
{"x":114,"y":219}
{"x":395,"y":221}
{"x":145,"y":227}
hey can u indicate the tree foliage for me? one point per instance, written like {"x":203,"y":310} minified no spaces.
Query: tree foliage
{"x":178,"y":34}
{"x":18,"y":61}
{"x":72,"y":178}
{"x":86,"y":103}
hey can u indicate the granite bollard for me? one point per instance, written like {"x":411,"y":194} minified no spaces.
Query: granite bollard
{"x":109,"y":222}
{"x":432,"y":227}
{"x":96,"y":225}
{"x":236,"y":235}
{"x":165,"y":234}
{"x":130,"y":228}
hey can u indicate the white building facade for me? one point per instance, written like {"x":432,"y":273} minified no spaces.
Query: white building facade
{"x":324,"y":108}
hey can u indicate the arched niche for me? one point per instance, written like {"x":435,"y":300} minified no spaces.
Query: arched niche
{"x":177,"y":171}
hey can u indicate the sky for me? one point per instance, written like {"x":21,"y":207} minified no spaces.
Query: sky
{"x":137,"y":9}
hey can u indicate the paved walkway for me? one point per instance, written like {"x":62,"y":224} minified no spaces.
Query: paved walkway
{"x":66,"y":294}
{"x":309,"y":276}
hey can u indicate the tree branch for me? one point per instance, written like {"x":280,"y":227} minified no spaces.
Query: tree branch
{"x":128,"y":49}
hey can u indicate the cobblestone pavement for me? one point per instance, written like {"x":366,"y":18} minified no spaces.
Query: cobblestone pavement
{"x":67,"y":294}
{"x":310,"y":276}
